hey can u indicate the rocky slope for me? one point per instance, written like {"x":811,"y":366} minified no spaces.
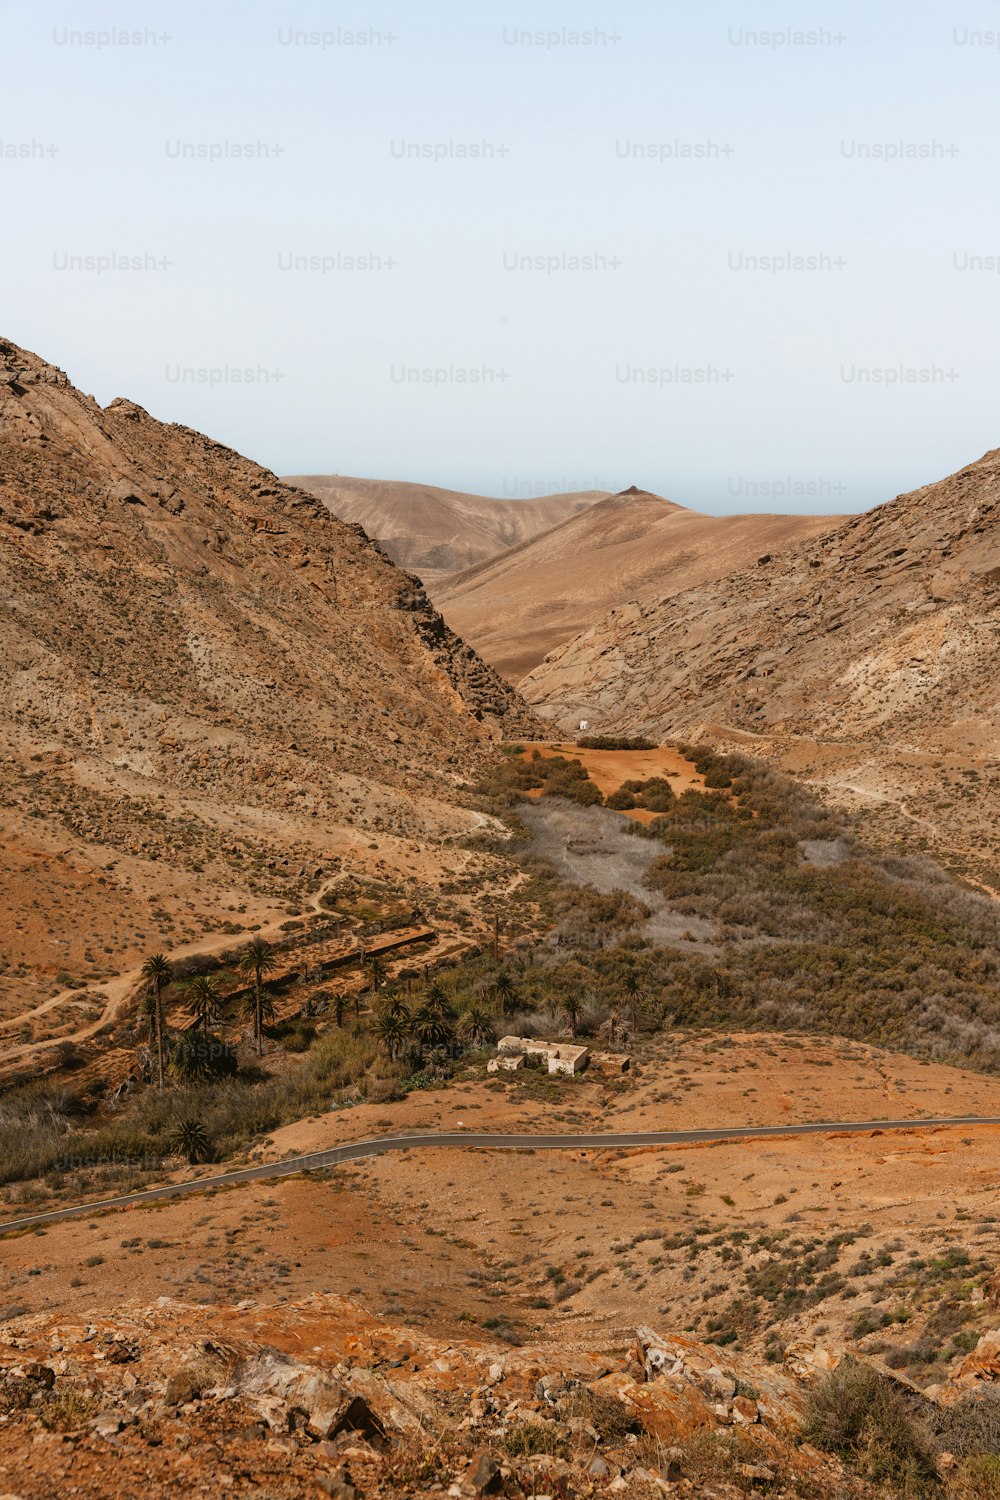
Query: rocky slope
{"x":436,"y":532}
{"x":521,"y":605}
{"x":201,"y":667}
{"x":321,"y":1398}
{"x":884,"y":629}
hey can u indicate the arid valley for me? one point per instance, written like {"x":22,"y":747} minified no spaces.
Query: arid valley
{"x":294,"y":858}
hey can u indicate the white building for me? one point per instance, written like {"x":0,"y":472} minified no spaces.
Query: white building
{"x":559,"y":1057}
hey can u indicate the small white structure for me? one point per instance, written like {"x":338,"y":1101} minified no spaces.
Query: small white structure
{"x":583,"y":726}
{"x":502,"y":1063}
{"x":559,"y":1057}
{"x":611,"y":1064}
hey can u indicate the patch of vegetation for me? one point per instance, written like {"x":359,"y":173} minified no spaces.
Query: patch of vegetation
{"x":858,"y":1414}
{"x":505,"y":781}
{"x":525,"y":1438}
{"x":654,"y":795}
{"x":611,"y":742}
{"x":606,"y":1414}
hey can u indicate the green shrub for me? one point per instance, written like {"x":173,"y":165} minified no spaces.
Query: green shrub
{"x":977,"y":1478}
{"x":857,"y":1413}
{"x":611,"y":742}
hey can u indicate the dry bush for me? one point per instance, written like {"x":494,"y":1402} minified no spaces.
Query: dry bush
{"x":860,"y":1415}
{"x":976,"y":1479}
{"x":606,"y":1413}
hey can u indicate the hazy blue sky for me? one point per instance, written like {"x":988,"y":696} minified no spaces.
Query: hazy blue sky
{"x":680,"y":148}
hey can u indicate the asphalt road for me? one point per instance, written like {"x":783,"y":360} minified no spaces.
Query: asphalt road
{"x":316,"y":1161}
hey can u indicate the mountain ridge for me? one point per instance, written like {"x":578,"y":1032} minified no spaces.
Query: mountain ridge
{"x":529,"y":600}
{"x":434,"y":531}
{"x":211,"y":689}
{"x":885,"y":622}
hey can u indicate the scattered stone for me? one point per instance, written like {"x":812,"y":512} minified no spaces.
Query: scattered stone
{"x":181,"y":1388}
{"x":672,"y":1465}
{"x":483,"y":1476}
{"x":745,"y":1410}
{"x":756,"y":1473}
{"x":107,"y":1424}
{"x":339,"y":1485}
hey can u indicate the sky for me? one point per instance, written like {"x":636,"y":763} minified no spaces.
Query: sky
{"x":746,"y":256}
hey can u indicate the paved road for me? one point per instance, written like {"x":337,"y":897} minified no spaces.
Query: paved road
{"x":376,"y":1146}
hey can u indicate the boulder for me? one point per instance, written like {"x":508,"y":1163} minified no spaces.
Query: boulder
{"x":308,"y":1398}
{"x":107,"y":1423}
{"x":181,"y":1388}
{"x":339,"y":1485}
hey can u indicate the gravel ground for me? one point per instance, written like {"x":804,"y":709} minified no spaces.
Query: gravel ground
{"x":593,"y":846}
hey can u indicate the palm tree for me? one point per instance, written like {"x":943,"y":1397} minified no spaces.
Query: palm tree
{"x":190,"y":1139}
{"x":258,"y":958}
{"x":613,"y":1030}
{"x":203,"y":996}
{"x":478,"y":1026}
{"x":393,"y":1004}
{"x":573,"y":1006}
{"x":157,"y":972}
{"x":437,"y":997}
{"x":377,"y":972}
{"x":506,"y":990}
{"x":262,"y":1005}
{"x":189,"y":1058}
{"x":432,"y":1024}
{"x":633,"y":987}
{"x":391,"y":1030}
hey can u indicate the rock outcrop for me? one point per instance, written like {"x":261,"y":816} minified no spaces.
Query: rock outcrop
{"x":379,"y":1409}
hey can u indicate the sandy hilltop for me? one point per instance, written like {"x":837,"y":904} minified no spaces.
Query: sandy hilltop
{"x":522,"y":604}
{"x":435,"y":532}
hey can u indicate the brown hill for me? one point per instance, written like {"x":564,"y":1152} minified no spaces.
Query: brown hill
{"x":435,"y":532}
{"x":885,"y":626}
{"x":207,"y":685}
{"x":532,"y":598}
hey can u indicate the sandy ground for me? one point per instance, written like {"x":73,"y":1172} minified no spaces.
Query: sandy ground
{"x":608,"y":769}
{"x":449,"y":1237}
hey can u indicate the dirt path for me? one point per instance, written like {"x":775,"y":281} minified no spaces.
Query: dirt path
{"x":118,"y":991}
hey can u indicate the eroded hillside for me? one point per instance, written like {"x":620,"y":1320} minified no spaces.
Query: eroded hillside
{"x":210,"y":688}
{"x":436,"y":532}
{"x":530,"y":599}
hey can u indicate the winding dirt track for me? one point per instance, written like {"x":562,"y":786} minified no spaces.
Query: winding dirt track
{"x":317,"y":1161}
{"x":118,"y":991}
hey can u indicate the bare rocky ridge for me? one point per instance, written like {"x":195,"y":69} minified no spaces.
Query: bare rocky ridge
{"x":436,"y":532}
{"x":526,"y":602}
{"x":885,"y":626}
{"x":200,"y":666}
